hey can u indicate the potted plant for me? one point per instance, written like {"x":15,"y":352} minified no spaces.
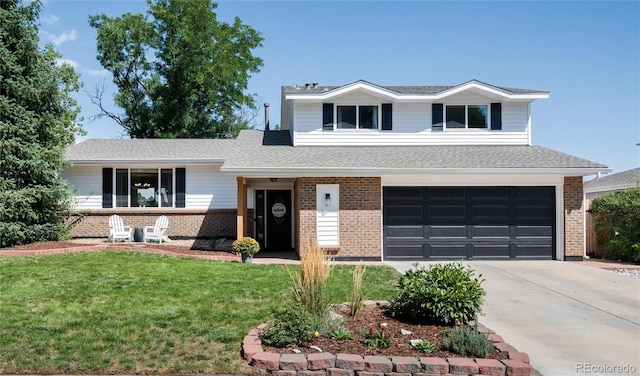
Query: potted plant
{"x":246,"y":247}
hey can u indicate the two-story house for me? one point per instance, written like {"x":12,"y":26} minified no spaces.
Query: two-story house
{"x":370,"y":172}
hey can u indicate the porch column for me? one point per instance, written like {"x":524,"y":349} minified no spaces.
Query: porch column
{"x":241,"y":222}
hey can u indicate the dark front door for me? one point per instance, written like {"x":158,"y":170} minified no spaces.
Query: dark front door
{"x":278,"y":220}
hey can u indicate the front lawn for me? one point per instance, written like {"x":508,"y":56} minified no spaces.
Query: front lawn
{"x":128,"y":312}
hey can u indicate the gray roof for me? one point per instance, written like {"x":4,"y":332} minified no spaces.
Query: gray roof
{"x":255,"y":151}
{"x":149,"y":149}
{"x":613,"y":182}
{"x":272,"y":150}
{"x":427,"y":90}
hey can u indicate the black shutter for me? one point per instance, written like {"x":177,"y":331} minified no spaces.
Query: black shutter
{"x":107,"y":187}
{"x":180,"y":188}
{"x":437,"y":115}
{"x":327,"y":116}
{"x":387,"y":117}
{"x":496,"y":116}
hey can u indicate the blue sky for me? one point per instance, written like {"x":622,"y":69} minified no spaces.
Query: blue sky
{"x":586,"y":54}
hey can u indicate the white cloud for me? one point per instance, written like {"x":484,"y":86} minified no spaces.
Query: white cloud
{"x":98,"y":72}
{"x":50,"y":19}
{"x":67,"y":61}
{"x":59,"y":39}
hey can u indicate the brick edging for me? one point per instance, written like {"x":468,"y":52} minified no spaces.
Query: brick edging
{"x":115,"y":247}
{"x":328,"y":364}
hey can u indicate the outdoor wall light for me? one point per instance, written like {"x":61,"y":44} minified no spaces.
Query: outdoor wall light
{"x":327,"y":199}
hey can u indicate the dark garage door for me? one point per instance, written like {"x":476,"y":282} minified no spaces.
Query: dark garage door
{"x":468,"y":222}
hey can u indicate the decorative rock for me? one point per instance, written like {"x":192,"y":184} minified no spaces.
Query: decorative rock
{"x":316,"y":348}
{"x":405,"y":332}
{"x":383,"y":303}
{"x":415,"y":342}
{"x":296,"y":351}
{"x":369,"y":303}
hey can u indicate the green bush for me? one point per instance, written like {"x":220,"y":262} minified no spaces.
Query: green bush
{"x":341,"y":333}
{"x":246,"y":246}
{"x":293,"y":326}
{"x":616,"y":217}
{"x":426,"y":347}
{"x":446,"y":294}
{"x":467,"y":341}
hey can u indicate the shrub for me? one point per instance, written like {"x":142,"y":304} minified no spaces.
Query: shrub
{"x":623,"y":249}
{"x":292,"y":326}
{"x":341,"y":333}
{"x":309,"y":285}
{"x":426,"y":347}
{"x":616,"y":217}
{"x":445,"y":294}
{"x":356,"y":297}
{"x":246,"y":246}
{"x":467,"y":341}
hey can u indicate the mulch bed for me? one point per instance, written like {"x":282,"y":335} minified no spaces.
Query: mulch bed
{"x":400,"y":346}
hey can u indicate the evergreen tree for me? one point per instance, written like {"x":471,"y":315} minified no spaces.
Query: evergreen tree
{"x":37,"y":122}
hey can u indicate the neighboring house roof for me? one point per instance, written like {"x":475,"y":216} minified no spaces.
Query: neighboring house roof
{"x":260,"y":152}
{"x":313,"y":90}
{"x":133,"y":150}
{"x":614,"y":182}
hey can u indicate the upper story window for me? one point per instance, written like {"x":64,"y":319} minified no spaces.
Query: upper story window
{"x":144,"y":187}
{"x":466,"y":116}
{"x":357,"y":117}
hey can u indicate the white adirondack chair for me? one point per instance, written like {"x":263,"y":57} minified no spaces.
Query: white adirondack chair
{"x":158,"y":231}
{"x":117,"y":229}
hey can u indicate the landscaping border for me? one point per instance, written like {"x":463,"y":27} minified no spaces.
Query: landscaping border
{"x":326,"y":364}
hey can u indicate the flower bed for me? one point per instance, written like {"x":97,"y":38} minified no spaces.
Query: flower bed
{"x":312,"y":362}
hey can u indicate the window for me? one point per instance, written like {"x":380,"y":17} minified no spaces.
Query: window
{"x":357,"y":117}
{"x":144,"y":187}
{"x":466,"y":116}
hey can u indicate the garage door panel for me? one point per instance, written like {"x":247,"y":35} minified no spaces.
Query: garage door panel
{"x":405,"y":232}
{"x":405,"y":251}
{"x":469,"y":222}
{"x":447,"y":250}
{"x":503,"y":232}
{"x":495,"y":250}
{"x":448,"y":232}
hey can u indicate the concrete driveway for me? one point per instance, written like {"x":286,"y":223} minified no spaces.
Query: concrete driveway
{"x":570,"y":317}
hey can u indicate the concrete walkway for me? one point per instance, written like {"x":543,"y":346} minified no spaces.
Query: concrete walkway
{"x":570,"y":317}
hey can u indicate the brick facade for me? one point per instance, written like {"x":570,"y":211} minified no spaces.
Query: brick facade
{"x":215,"y":223}
{"x":573,"y":218}
{"x":360,"y":214}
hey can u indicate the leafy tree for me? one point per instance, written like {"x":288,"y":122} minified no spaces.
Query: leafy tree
{"x":37,"y":122}
{"x":180,"y":72}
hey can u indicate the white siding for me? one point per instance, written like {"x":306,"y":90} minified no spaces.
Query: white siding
{"x":87,"y":183}
{"x":411,"y":124}
{"x":328,"y":217}
{"x":208,"y":188}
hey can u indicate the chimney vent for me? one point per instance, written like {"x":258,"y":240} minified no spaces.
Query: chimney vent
{"x":266,"y":116}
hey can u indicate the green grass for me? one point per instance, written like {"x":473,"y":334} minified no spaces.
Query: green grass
{"x":128,"y":312}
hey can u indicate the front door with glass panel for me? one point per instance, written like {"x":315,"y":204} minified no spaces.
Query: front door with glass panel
{"x":273,"y":219}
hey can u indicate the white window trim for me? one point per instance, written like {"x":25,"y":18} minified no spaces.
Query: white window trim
{"x":115,"y":186}
{"x":357,"y":106}
{"x":466,"y":117}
